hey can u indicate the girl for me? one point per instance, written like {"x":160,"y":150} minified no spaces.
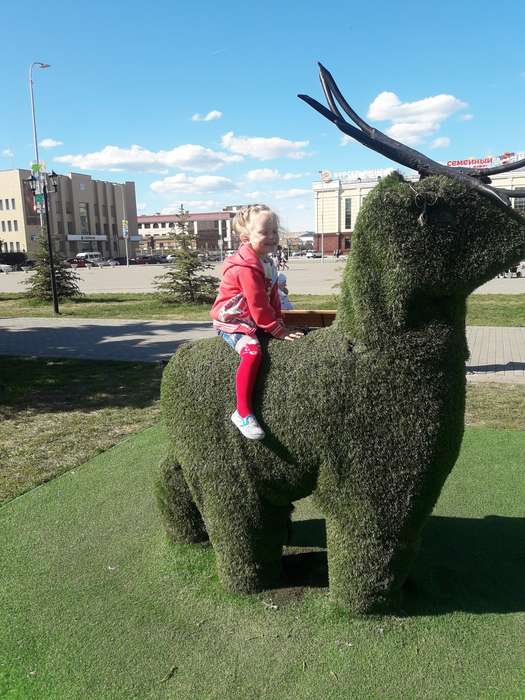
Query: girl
{"x":248,"y":301}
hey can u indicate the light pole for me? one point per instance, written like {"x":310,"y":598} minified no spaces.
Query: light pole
{"x":38,"y":184}
{"x":35,"y":138}
{"x":125,"y":229}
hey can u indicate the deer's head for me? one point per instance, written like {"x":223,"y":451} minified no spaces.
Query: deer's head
{"x":441,"y":236}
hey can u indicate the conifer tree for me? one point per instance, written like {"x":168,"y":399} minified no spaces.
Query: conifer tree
{"x":185,"y":282}
{"x":39,"y":284}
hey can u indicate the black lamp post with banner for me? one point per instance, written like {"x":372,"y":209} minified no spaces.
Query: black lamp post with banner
{"x":41,"y":183}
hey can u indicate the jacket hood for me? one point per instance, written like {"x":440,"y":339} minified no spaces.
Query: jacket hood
{"x":244,"y":257}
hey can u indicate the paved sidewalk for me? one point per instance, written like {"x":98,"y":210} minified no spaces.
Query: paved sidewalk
{"x":497,"y":354}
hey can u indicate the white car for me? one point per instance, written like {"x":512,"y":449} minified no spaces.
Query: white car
{"x":6,"y":268}
{"x":313,"y":254}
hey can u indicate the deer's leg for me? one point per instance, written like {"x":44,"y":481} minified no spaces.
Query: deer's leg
{"x":366,"y":570}
{"x":182,"y":519}
{"x":247,"y":534}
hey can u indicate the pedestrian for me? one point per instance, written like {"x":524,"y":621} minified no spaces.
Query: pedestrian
{"x":248,"y":303}
{"x":286,"y":304}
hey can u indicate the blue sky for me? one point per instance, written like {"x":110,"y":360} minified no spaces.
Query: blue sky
{"x":125,"y":83}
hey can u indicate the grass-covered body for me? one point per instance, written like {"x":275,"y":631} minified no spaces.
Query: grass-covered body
{"x":368,"y":413}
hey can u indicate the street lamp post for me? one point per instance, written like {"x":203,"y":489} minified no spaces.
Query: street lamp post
{"x":35,"y":138}
{"x":35,"y":184}
{"x":38,"y":184}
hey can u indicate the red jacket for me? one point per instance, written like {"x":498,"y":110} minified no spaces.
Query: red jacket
{"x":248,"y":297}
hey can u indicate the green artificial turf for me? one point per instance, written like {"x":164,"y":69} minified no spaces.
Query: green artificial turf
{"x":95,"y":603}
{"x":482,"y":309}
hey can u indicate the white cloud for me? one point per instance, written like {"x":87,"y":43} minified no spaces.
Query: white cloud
{"x":265,"y":174}
{"x":258,"y":195}
{"x":190,"y":204}
{"x":466,"y":117}
{"x":264,"y":148}
{"x":113,"y":158}
{"x":192,"y":185}
{"x":211,"y":116}
{"x":413,"y":122}
{"x":7,"y":153}
{"x":50,"y":143}
{"x":440,"y":142}
{"x":289,"y":194}
{"x":345,"y":140}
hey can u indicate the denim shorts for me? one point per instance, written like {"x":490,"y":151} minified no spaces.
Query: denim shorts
{"x":231,"y":338}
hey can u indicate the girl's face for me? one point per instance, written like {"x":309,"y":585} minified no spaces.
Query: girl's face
{"x":262,"y":233}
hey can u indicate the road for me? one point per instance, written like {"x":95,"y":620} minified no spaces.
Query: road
{"x":304,"y":277}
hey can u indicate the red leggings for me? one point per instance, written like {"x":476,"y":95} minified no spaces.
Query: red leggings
{"x":251,"y":356}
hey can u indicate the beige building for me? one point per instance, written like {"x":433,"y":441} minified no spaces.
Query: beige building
{"x":211,"y":230}
{"x":339,"y":196}
{"x":85,"y":215}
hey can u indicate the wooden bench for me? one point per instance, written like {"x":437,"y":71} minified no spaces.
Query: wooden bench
{"x":298,"y":318}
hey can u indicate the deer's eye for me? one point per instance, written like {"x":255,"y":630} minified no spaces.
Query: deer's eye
{"x":442,"y":214}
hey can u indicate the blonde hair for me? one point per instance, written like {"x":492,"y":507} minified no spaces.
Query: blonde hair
{"x":243,"y":217}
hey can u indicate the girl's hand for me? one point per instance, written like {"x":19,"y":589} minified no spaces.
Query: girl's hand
{"x":289,"y":334}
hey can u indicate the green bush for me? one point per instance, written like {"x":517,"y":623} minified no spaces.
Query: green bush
{"x":39,"y":284}
{"x":368,"y":413}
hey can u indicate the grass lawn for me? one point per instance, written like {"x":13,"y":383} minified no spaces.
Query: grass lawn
{"x":97,"y":604}
{"x":132,"y":306}
{"x":56,"y":414}
{"x":483,"y":309}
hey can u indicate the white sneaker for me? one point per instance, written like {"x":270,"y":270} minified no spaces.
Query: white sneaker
{"x":248,"y":426}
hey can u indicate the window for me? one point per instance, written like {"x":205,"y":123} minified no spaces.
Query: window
{"x":11,"y":247}
{"x":139,"y":226}
{"x":3,"y":226}
{"x":519,"y":204}
{"x":1,"y":205}
{"x":105,"y":210}
{"x":70,"y":228}
{"x":155,"y":225}
{"x":82,"y":186}
{"x":163,"y":224}
{"x":348,"y":213}
{"x":68,"y":208}
{"x":9,"y":226}
{"x":15,"y":225}
{"x":112,"y":211}
{"x":13,"y":204}
{"x":17,"y":244}
{"x":7,"y":204}
{"x":83,"y":209}
{"x":147,"y":225}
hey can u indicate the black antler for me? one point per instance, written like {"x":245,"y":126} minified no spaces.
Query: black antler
{"x":475,"y":178}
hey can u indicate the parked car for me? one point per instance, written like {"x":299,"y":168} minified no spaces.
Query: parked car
{"x":5,"y":268}
{"x":517,"y":270}
{"x":76,"y":262}
{"x":121,"y":260}
{"x":313,"y":254}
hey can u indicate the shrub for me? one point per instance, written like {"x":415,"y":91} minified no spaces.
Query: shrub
{"x":39,"y":284}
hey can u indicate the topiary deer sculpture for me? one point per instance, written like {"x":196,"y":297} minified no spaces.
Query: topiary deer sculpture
{"x":367,"y":414}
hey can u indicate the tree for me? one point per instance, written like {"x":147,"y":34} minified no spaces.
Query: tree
{"x":185,"y":282}
{"x":39,"y":285}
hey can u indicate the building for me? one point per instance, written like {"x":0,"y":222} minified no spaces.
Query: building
{"x":212,"y":231}
{"x":85,"y":215}
{"x":339,"y":196}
